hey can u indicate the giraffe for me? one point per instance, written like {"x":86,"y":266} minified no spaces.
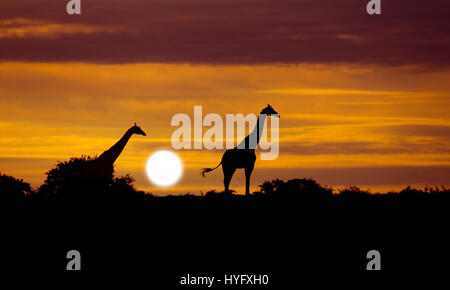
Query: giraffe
{"x":243,"y":155}
{"x":103,"y":166}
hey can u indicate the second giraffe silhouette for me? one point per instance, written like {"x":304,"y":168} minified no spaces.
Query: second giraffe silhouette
{"x":245,"y":157}
{"x":103,"y":166}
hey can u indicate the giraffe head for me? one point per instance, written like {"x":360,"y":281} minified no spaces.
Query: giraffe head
{"x":137,"y":130}
{"x":269,"y":111}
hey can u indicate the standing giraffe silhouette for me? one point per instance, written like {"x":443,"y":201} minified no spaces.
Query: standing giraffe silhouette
{"x":103,"y":166}
{"x":243,"y":155}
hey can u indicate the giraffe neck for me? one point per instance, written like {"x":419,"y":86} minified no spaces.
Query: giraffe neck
{"x":252,"y":140}
{"x":114,"y":152}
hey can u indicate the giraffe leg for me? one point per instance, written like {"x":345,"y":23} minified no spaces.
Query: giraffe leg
{"x":227,"y":175}
{"x":248,"y":174}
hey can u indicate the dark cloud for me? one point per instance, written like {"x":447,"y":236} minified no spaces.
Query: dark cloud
{"x":439,"y":131}
{"x":230,"y":31}
{"x":352,"y":148}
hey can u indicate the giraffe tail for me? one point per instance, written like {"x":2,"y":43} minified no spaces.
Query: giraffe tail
{"x":205,"y":170}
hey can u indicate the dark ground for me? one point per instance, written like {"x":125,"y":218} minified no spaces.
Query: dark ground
{"x":154,"y":242}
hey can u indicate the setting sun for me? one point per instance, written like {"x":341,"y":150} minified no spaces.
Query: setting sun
{"x":164,"y":168}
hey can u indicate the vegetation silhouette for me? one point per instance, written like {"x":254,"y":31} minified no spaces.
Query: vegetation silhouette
{"x":13,"y":189}
{"x":65,"y":182}
{"x":295,"y":188}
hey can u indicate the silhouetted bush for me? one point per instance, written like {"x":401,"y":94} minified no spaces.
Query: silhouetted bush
{"x":412,"y":193}
{"x":353,"y":192}
{"x":65,"y":179}
{"x":295,"y":188}
{"x":12,"y":188}
{"x":269,"y":187}
{"x":68,"y":181}
{"x":436,"y":190}
{"x":307,"y":189}
{"x":213,"y":194}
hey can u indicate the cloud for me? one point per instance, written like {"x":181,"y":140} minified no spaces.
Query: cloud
{"x":27,"y":28}
{"x":357,"y":147}
{"x":334,"y":92}
{"x":425,"y":130}
{"x":230,"y":32}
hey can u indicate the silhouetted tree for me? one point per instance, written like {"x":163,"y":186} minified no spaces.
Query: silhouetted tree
{"x":67,"y":180}
{"x":12,"y":188}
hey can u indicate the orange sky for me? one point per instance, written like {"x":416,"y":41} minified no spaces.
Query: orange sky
{"x":363,"y":98}
{"x":373,"y":126}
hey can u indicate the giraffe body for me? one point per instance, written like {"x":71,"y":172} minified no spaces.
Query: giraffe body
{"x":238,"y":158}
{"x":243,"y":155}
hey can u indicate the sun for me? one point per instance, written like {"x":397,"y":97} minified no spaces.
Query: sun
{"x":164,"y":168}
